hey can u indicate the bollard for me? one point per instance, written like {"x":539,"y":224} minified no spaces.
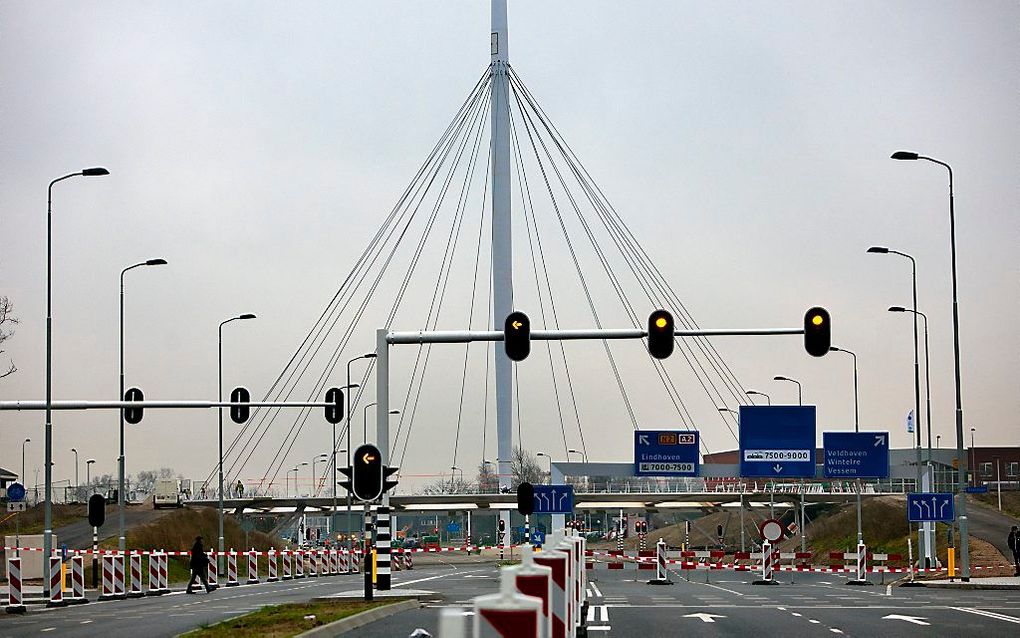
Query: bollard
{"x":253,"y":566}
{"x":661,"y":573}
{"x":107,"y":592}
{"x":271,"y":566}
{"x":408,"y":562}
{"x":213,"y":573}
{"x":507,"y":613}
{"x":768,"y":565}
{"x":299,"y":564}
{"x":154,"y":581}
{"x":78,"y":580}
{"x":571,"y":540}
{"x":288,"y":560}
{"x":861,"y":576}
{"x":342,"y":558}
{"x":135,"y":562}
{"x":15,"y":599}
{"x":232,"y":568}
{"x":313,"y":563}
{"x":56,"y":588}
{"x":558,"y":562}
{"x":334,"y":569}
{"x":119,"y":575}
{"x":535,"y":580}
{"x":164,"y":572}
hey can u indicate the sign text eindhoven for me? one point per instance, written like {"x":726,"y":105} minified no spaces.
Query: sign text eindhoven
{"x":665,"y":453}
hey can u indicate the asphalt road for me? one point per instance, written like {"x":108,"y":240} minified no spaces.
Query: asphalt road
{"x":988,"y":523}
{"x":622,"y":604}
{"x":729,"y":605}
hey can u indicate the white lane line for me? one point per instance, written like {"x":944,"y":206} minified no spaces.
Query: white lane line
{"x":729,"y":591}
{"x":421,"y":580}
{"x":595,"y":588}
{"x":796,"y":614}
{"x":599,"y":628}
{"x":834,"y":630}
{"x":49,"y":629}
{"x":85,"y":622}
{"x":988,"y":614}
{"x":813,"y":621}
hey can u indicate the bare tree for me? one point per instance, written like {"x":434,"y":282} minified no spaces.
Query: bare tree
{"x":488,"y":482}
{"x":457,"y":485}
{"x":525,"y":468}
{"x":6,"y":317}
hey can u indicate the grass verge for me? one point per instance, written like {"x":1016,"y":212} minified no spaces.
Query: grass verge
{"x":282,"y":621}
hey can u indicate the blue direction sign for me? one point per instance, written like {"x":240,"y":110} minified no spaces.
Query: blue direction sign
{"x":926,"y":507}
{"x":665,"y":453}
{"x":856,"y":454}
{"x":554,"y":499}
{"x":537,"y":537}
{"x":15,"y":492}
{"x":453,"y":528}
{"x":777,"y":441}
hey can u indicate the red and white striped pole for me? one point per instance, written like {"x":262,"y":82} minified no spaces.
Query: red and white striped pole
{"x":661,"y":573}
{"x":120,"y":575}
{"x":15,"y":598}
{"x":78,"y":580}
{"x":535,"y":580}
{"x":288,"y":560}
{"x":271,"y":566}
{"x":508,"y":613}
{"x":56,"y":598}
{"x":107,"y":592}
{"x":135,"y":563}
{"x":232,"y":568}
{"x":559,"y":563}
{"x":299,"y":564}
{"x":253,"y":566}
{"x":154,"y":589}
{"x":164,"y":572}
{"x":212,"y":574}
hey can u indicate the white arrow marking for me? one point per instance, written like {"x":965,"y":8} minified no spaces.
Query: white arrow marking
{"x":642,"y":439}
{"x":778,"y":468}
{"x":917,"y":620}
{"x":879,"y":440}
{"x":704,"y":617}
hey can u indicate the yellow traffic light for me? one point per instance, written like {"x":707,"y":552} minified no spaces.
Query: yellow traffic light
{"x":818,"y":320}
{"x":660,"y":334}
{"x":660,"y":322}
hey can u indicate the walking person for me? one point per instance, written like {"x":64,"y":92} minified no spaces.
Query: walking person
{"x":199,"y":566}
{"x":1014,"y":544}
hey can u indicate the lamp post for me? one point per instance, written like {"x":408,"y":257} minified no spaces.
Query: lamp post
{"x":584,"y":456}
{"x":364,"y":432}
{"x":88,"y":473}
{"x":973,"y":460}
{"x":219,"y":411}
{"x":23,"y":444}
{"x":857,"y":428}
{"x":75,"y":473}
{"x":315,"y":476}
{"x":961,"y":506}
{"x":121,"y":540}
{"x":800,"y":396}
{"x":550,"y":463}
{"x":350,"y":540}
{"x":768,"y":399}
{"x":938,"y":441}
{"x":333,"y":447}
{"x":453,"y":470}
{"x":927,"y":371}
{"x":48,"y":443}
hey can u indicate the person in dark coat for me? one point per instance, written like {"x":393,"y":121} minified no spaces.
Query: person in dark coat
{"x":1014,"y":544}
{"x":199,"y":565}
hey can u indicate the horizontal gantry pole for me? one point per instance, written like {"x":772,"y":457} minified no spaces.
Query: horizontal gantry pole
{"x":465,"y":336}
{"x":155,"y":405}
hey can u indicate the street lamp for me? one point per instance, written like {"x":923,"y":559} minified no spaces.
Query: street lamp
{"x":48,"y":444}
{"x":23,"y":444}
{"x":961,"y":500}
{"x":800,"y":397}
{"x":219,"y":411}
{"x":768,"y":399}
{"x":973,"y":460}
{"x":550,"y":463}
{"x":938,"y":441}
{"x":453,"y":470}
{"x":583,"y":455}
{"x":315,"y":477}
{"x":88,"y":473}
{"x":121,"y":539}
{"x":350,"y":540}
{"x":927,"y":370}
{"x":857,"y":428}
{"x":297,"y":473}
{"x":75,"y":473}
{"x":730,"y":410}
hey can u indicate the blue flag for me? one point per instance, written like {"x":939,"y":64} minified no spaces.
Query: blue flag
{"x":910,"y":421}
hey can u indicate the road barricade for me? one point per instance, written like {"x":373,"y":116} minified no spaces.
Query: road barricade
{"x":213,"y":571}
{"x":271,"y":576}
{"x":288,"y":561}
{"x":507,"y":613}
{"x":108,"y":592}
{"x":232,"y":568}
{"x":299,"y":564}
{"x":78,"y":580}
{"x":135,"y":565}
{"x":15,"y":597}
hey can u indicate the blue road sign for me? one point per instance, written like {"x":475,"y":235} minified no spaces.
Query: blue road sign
{"x":665,"y":453}
{"x":537,"y":537}
{"x":777,"y":441}
{"x":15,"y":492}
{"x":453,"y":528}
{"x":976,"y":489}
{"x":856,"y":454}
{"x":926,"y":507}
{"x":554,"y":499}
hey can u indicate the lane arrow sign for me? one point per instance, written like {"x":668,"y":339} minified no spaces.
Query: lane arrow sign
{"x":917,"y":620}
{"x":879,"y":440}
{"x":778,"y":468}
{"x":707,"y":617}
{"x":643,"y":439}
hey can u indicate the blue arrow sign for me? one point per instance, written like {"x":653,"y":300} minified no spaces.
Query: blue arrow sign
{"x":777,"y":441}
{"x":665,"y":453}
{"x":537,"y":537}
{"x":554,"y":499}
{"x":926,"y":507}
{"x":856,"y":454}
{"x":15,"y":492}
{"x":453,"y":528}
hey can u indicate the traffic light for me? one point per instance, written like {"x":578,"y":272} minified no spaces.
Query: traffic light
{"x":660,"y":334}
{"x":502,"y":527}
{"x":97,"y":510}
{"x":526,"y":498}
{"x":517,"y":336}
{"x":239,"y":413}
{"x":817,"y":331}
{"x":335,"y":412}
{"x":133,"y":415}
{"x":367,"y":473}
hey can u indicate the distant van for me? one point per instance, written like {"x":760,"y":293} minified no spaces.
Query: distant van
{"x":167,"y":493}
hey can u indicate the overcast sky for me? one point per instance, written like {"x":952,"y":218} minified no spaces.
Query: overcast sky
{"x":258,"y":146}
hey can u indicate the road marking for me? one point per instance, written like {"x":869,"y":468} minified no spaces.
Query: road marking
{"x":834,"y":630}
{"x":813,"y":621}
{"x":421,"y":580}
{"x":704,"y":617}
{"x":917,"y":620}
{"x":988,"y":614}
{"x":729,"y":591}
{"x":595,"y":611}
{"x":49,"y":629}
{"x":599,"y":628}
{"x":595,"y":588}
{"x":85,"y":622}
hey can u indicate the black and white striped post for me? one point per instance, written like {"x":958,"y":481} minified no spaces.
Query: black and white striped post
{"x":382,"y":545}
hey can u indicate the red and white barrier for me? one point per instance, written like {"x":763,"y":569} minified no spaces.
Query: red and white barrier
{"x":232,"y":568}
{"x":769,"y":559}
{"x":661,"y":573}
{"x":15,"y":599}
{"x":253,"y":567}
{"x":299,"y":564}
{"x":135,"y":566}
{"x":154,"y":580}
{"x":507,"y":613}
{"x":271,"y":566}
{"x":109,"y":590}
{"x":288,"y":561}
{"x":535,"y":580}
{"x":212,"y":574}
{"x":313,"y":563}
{"x":559,"y":564}
{"x":78,"y":580}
